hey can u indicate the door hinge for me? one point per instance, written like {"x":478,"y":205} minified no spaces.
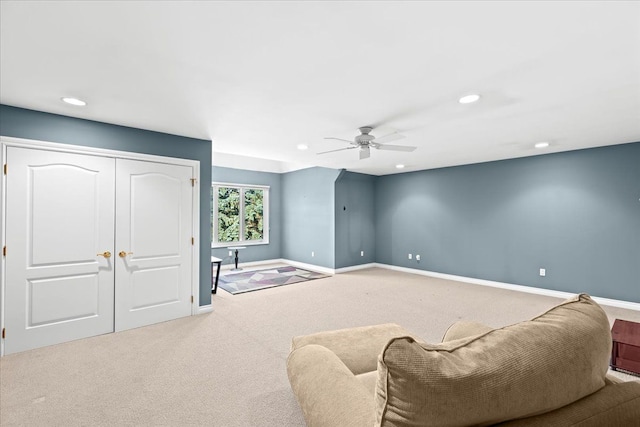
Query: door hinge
{"x":191,"y":299}
{"x":193,"y":241}
{"x":193,"y":182}
{"x":4,"y":251}
{"x":3,"y":329}
{"x":5,"y":168}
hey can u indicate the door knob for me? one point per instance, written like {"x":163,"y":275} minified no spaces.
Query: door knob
{"x":105,"y":254}
{"x":123,"y":254}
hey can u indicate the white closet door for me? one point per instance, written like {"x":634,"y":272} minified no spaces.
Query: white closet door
{"x":60,"y":216}
{"x":153,"y":243}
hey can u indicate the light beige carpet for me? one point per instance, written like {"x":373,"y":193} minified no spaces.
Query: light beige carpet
{"x":227,"y":368}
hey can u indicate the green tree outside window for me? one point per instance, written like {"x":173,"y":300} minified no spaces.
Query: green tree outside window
{"x":238,"y":214}
{"x":228,"y":214}
{"x":253,"y":210}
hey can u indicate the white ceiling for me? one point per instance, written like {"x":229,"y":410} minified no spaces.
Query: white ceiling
{"x":258,"y":78}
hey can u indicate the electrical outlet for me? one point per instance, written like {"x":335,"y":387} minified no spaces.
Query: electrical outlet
{"x":410,"y":256}
{"x":543,"y":272}
{"x":417,"y":257}
{"x":230,"y":253}
{"x":361,"y":253}
{"x":313,"y":253}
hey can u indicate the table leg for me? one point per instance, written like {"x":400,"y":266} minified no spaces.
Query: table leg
{"x":215,"y":286}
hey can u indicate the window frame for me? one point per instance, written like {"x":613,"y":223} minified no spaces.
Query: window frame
{"x":214,"y":214}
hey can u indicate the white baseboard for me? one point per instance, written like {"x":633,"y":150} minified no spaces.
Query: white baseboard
{"x":252,"y":263}
{"x":520,"y":288}
{"x":313,"y":267}
{"x":617,"y":303}
{"x":204,"y":309}
{"x":327,"y":270}
{"x":355,"y":267}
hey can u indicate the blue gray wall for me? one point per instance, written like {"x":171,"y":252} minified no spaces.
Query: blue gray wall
{"x":577,"y":214}
{"x":274,"y":180}
{"x":29,"y":124}
{"x":308,"y":216}
{"x":355,"y":227}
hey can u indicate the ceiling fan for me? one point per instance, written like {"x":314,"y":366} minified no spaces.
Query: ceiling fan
{"x":365,"y":142}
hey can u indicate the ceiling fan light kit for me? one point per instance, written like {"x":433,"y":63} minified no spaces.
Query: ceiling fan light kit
{"x":365,"y":141}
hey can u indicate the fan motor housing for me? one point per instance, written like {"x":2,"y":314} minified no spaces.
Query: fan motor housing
{"x":364,"y":139}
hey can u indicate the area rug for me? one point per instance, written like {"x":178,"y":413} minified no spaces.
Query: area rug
{"x":262,"y":279}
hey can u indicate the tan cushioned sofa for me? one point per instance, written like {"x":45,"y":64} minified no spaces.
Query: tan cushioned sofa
{"x":548,"y":371}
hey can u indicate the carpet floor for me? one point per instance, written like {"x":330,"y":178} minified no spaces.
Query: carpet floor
{"x":227,"y":368}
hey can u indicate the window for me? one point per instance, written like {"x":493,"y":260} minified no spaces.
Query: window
{"x":239,"y":214}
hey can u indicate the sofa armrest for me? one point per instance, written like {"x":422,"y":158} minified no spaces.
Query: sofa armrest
{"x":327,"y":391}
{"x":464,"y":329}
{"x":358,"y":348}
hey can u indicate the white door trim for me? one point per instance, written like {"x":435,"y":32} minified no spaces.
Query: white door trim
{"x":6,"y":141}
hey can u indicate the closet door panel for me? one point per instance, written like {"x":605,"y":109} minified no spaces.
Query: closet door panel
{"x":155,"y":286}
{"x":59,"y":224}
{"x":153,"y":234}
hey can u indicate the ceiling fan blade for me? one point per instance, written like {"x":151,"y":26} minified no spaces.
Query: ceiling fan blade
{"x":339,"y":149}
{"x":395,"y":147}
{"x":340,"y":139}
{"x":365,"y":153}
{"x":388,"y":138}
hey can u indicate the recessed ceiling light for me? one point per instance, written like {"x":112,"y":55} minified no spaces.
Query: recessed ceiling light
{"x":542,"y":144}
{"x":74,"y":101}
{"x":399,"y":166}
{"x":302,"y":147}
{"x":468,"y":99}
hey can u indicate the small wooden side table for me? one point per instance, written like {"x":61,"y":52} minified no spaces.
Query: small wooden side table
{"x":625,"y":353}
